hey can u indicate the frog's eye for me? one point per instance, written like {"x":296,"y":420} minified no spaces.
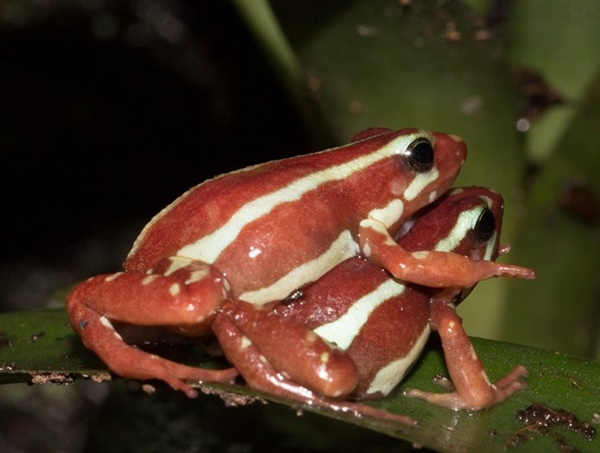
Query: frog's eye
{"x":485,"y":226}
{"x":419,"y":155}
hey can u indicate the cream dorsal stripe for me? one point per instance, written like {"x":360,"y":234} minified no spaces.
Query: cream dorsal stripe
{"x":343,"y":330}
{"x":390,"y":375}
{"x":342,"y":248}
{"x":466,"y":221}
{"x":209,"y":247}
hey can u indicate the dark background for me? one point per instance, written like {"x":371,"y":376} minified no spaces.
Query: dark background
{"x":109,"y":111}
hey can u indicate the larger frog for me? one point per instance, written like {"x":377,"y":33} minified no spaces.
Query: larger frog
{"x":260,"y":233}
{"x":363,"y":329}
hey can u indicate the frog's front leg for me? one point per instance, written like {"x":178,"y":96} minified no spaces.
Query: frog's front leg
{"x":430,"y":268}
{"x":327,"y":373}
{"x":473,"y":390}
{"x":177,"y":293}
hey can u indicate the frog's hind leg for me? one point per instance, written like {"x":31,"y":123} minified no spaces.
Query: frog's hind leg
{"x":180,"y":294}
{"x":291,"y":348}
{"x":260,"y":374}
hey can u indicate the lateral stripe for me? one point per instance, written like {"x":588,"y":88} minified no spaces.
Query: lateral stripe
{"x":211,"y":246}
{"x":420,"y":181}
{"x":464,"y":222}
{"x":343,"y":330}
{"x":491,"y":246}
{"x":390,"y":375}
{"x":341,"y":249}
{"x":390,"y":214}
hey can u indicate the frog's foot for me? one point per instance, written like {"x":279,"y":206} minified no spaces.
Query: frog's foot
{"x":474,"y":391}
{"x":133,"y":363}
{"x":136,"y":364}
{"x":127,"y":361}
{"x":491,"y":395}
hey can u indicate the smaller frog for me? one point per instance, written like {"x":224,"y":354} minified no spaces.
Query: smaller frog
{"x":357,"y":331}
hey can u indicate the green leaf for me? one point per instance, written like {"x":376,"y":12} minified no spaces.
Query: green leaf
{"x":564,"y":300}
{"x":560,"y":230}
{"x":40,"y":344}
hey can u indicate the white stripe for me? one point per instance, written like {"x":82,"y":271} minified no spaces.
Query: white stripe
{"x":419,"y":182}
{"x":464,"y":222}
{"x":342,"y":248}
{"x":106,"y":323}
{"x":491,"y":247}
{"x":209,"y":247}
{"x":197,"y":275}
{"x":177,"y":262}
{"x":390,"y":375}
{"x":149,"y":279}
{"x":378,"y":227}
{"x":343,"y":330}
{"x":388,"y":215}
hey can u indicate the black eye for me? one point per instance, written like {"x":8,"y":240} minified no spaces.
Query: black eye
{"x":485,"y":226}
{"x":419,"y":155}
